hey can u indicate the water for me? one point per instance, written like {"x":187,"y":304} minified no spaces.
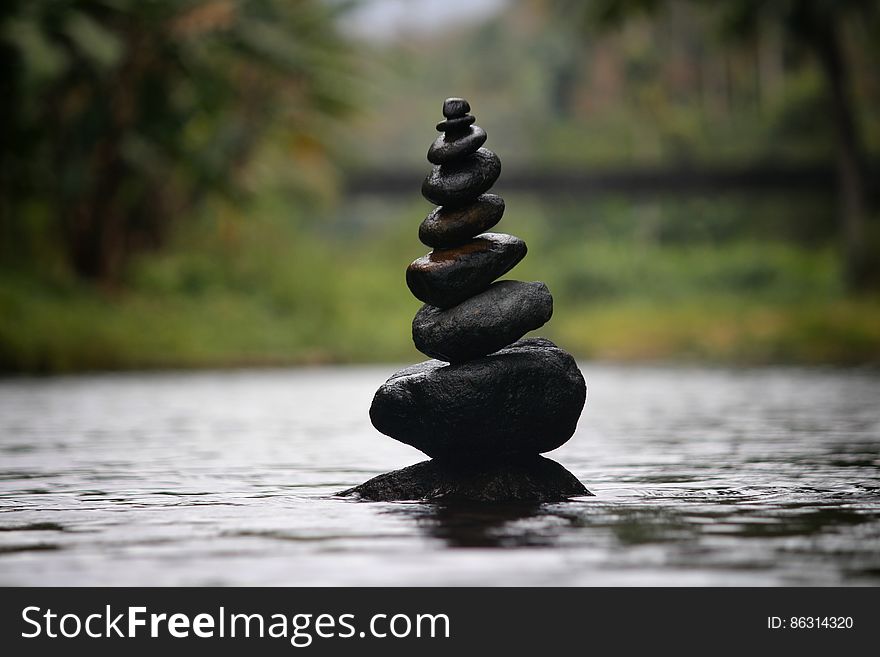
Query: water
{"x":701,"y":476}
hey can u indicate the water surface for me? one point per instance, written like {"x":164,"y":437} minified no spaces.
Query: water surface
{"x":702,"y":477}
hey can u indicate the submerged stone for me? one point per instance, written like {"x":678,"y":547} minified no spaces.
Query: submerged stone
{"x":532,"y":479}
{"x":525,"y":399}
{"x":461,"y":181}
{"x":486,"y":322}
{"x":446,"y":227}
{"x":446,"y":277}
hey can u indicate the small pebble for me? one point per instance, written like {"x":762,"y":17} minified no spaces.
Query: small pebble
{"x":455,"y":107}
{"x":452,"y":145}
{"x":456,"y":125}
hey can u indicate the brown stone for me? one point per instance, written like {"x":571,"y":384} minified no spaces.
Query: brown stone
{"x":446,"y":277}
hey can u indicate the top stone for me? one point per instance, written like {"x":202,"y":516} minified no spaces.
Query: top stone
{"x":455,"y":107}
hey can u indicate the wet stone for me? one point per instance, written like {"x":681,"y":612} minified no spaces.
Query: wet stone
{"x":456,"y":125}
{"x":455,"y":107}
{"x":525,"y":399}
{"x":459,"y":182}
{"x":530,"y":479}
{"x":446,"y":277}
{"x":449,"y":147}
{"x":489,"y":402}
{"x":484,"y":323}
{"x":446,"y":227}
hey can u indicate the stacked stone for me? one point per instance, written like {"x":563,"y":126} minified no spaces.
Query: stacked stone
{"x":490,"y":402}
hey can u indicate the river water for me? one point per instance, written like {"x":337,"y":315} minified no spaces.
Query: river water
{"x":701,"y":477}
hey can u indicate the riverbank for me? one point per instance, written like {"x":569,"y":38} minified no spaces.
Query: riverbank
{"x":274,"y":285}
{"x":46,"y":330}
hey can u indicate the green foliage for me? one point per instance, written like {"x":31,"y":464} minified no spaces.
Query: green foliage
{"x":280,"y":289}
{"x":206,"y":131}
{"x":123,"y":115}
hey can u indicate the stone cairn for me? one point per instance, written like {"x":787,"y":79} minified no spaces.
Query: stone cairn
{"x":490,"y":402}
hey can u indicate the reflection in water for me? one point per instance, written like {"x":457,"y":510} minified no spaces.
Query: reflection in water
{"x":493,"y":525}
{"x":547,"y":525}
{"x":701,"y":476}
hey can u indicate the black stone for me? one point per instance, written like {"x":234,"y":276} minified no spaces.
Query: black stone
{"x":525,"y":399}
{"x":451,"y":146}
{"x":456,"y":125}
{"x":455,"y":107}
{"x":484,"y":323}
{"x":462,"y":181}
{"x":446,"y":277}
{"x":446,"y":227}
{"x":529,"y":479}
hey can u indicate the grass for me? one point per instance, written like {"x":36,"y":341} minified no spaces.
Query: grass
{"x":277,"y":289}
{"x":729,"y":330}
{"x":84,"y":331}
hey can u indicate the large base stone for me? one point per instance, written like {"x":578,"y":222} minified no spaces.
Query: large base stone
{"x":525,"y":399}
{"x":535,"y":479}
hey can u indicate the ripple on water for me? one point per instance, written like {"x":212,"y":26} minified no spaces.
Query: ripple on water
{"x":701,"y":476}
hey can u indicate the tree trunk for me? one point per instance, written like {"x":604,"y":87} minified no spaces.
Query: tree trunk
{"x":851,"y":173}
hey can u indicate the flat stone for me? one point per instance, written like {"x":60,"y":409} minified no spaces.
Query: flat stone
{"x":455,"y":107}
{"x":457,"y":183}
{"x":446,"y":227}
{"x":456,"y":125}
{"x":484,"y":323}
{"x":529,"y":479}
{"x":525,"y":399}
{"x":446,"y":277}
{"x":449,"y":146}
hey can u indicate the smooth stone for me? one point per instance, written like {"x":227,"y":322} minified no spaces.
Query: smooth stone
{"x":525,"y":399}
{"x":457,"y":183}
{"x":449,"y":147}
{"x":446,"y":277}
{"x":456,"y":125}
{"x":529,"y":479}
{"x":446,"y":227}
{"x":455,"y":107}
{"x":484,"y":323}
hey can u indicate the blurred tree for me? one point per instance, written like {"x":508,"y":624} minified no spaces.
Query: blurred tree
{"x":120,"y":116}
{"x":815,"y":26}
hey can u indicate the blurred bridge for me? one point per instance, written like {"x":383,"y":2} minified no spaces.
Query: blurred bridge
{"x":753,"y":178}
